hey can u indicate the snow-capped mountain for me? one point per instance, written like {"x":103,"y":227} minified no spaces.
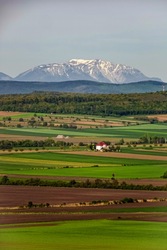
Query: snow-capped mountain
{"x":81,"y":69}
{"x":4,"y":77}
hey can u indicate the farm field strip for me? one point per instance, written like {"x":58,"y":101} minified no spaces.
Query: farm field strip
{"x":160,"y":209}
{"x":12,"y":196}
{"x":89,"y":210}
{"x":122,"y":132}
{"x":99,"y":234}
{"x":142,"y":151}
{"x":82,"y":164}
{"x":85,"y":157}
{"x":49,"y":132}
{"x":128,"y":172}
{"x":44,"y":163}
{"x":132,"y":155}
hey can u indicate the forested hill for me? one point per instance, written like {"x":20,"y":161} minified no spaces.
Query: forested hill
{"x":93,"y":104}
{"x":20,"y":87}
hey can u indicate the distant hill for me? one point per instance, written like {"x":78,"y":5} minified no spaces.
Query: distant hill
{"x":21,"y":87}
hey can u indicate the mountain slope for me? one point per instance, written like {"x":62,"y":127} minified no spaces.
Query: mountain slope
{"x":4,"y":77}
{"x":80,"y":69}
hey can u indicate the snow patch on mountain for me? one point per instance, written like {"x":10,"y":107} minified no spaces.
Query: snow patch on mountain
{"x":4,"y":77}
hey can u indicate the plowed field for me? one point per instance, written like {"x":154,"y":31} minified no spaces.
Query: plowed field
{"x":11,"y":197}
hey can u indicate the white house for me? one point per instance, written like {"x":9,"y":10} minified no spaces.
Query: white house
{"x":101,"y":145}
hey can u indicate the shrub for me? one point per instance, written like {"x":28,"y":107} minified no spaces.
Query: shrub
{"x":18,"y":125}
{"x":4,"y":180}
{"x":30,"y":204}
{"x":21,"y":119}
{"x":127,"y":200}
{"x":164,"y":175}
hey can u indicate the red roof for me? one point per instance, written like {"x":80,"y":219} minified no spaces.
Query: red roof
{"x":102,"y":144}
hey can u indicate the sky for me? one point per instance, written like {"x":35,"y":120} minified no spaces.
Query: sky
{"x":130,"y":32}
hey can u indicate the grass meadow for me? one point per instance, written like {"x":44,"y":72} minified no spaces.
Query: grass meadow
{"x":63,"y":164}
{"x":86,"y":235}
{"x":153,"y":209}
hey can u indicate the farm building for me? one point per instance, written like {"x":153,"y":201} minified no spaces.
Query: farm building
{"x":100,"y":146}
{"x":60,"y":137}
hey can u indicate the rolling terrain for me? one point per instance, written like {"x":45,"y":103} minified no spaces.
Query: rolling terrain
{"x":79,"y":86}
{"x":69,"y":192}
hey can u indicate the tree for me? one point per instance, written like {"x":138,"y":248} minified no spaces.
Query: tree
{"x":30,"y":204}
{"x":121,"y":142}
{"x":32,"y":122}
{"x":164,"y":175}
{"x":18,"y":125}
{"x":113,"y":177}
{"x":21,"y":119}
{"x":4,"y":180}
{"x":92,"y":146}
{"x":45,"y":124}
{"x":118,"y":148}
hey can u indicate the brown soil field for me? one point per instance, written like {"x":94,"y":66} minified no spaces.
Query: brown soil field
{"x":32,"y":218}
{"x":11,"y":196}
{"x":159,"y":117}
{"x":99,"y":123}
{"x":120,"y":155}
{"x":10,"y":113}
{"x":77,"y":209}
{"x":154,"y":182}
{"x":88,"y":122}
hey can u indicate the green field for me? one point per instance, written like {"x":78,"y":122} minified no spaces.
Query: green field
{"x":86,"y":235}
{"x":145,"y":151}
{"x":132,"y":210}
{"x":55,"y":164}
{"x":133,"y":132}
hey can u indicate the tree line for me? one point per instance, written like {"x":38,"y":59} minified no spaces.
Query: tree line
{"x":97,"y":183}
{"x":9,"y":144}
{"x":91,"y":104}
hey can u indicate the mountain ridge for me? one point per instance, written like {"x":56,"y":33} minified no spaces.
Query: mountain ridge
{"x":83,"y":69}
{"x":4,"y":77}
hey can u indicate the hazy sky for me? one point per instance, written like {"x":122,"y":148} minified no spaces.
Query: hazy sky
{"x":131,"y":32}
